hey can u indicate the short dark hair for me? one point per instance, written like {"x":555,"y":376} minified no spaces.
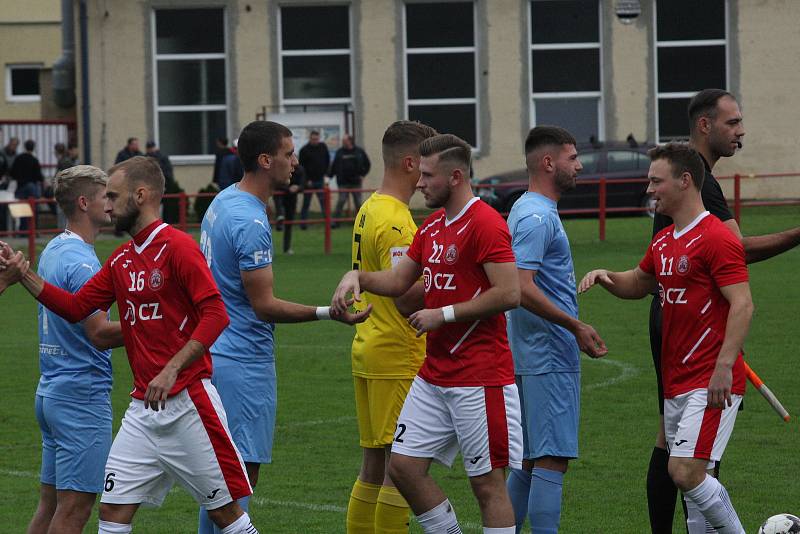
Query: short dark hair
{"x":704,"y":104}
{"x":449,"y":147}
{"x":150,"y":144}
{"x":546,"y":136}
{"x":403,"y":138}
{"x":30,"y":145}
{"x":682,"y":158}
{"x":59,"y":148}
{"x":260,"y":137}
{"x":141,"y":170}
{"x":131,"y":140}
{"x":313,"y":132}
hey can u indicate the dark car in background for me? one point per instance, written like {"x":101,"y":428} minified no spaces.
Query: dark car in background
{"x":613,"y":161}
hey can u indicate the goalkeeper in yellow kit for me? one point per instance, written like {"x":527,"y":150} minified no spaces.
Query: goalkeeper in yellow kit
{"x":386,"y":352}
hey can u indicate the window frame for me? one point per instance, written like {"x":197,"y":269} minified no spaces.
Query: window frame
{"x":587,"y":45}
{"x":337,"y":102}
{"x":188,"y":159}
{"x":10,"y":96}
{"x":476,"y":100}
{"x":725,"y":42}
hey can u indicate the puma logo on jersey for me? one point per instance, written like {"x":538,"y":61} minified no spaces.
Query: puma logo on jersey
{"x":260,"y":222}
{"x":537,"y":216}
{"x":398,"y":230}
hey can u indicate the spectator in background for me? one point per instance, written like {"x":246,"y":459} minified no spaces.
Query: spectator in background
{"x":66,"y":157}
{"x":7,"y":156}
{"x":230,"y":170}
{"x":315,"y":158}
{"x":130,"y":150}
{"x":27,"y":171}
{"x":350,"y":165}
{"x":171,"y":206}
{"x":286,"y":205}
{"x":219,"y":153}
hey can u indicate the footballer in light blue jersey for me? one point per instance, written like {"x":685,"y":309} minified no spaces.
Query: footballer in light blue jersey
{"x":236,"y":236}
{"x":540,"y":244}
{"x":545,"y":333}
{"x":73,"y":400}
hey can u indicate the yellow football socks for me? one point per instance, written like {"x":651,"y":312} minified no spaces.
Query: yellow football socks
{"x":361,"y":508}
{"x":391,"y":512}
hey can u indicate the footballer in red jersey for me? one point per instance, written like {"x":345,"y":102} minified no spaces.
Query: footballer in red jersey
{"x":697,"y":265}
{"x":464,"y":398}
{"x":171,"y":313}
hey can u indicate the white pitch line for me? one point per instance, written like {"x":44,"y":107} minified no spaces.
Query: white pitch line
{"x":261,"y":501}
{"x":627,"y":371}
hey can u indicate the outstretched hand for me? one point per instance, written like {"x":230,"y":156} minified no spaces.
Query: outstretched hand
{"x":598,"y":276}
{"x":341,"y":297}
{"x":590,"y":341}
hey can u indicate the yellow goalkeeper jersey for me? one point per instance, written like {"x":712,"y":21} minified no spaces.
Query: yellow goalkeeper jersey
{"x":385,"y":346}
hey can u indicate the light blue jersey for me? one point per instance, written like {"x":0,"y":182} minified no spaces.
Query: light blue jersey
{"x":540,"y":244}
{"x":71,"y":367}
{"x":236,"y":236}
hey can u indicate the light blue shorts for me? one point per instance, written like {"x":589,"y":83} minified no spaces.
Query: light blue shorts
{"x":250,"y":397}
{"x":550,"y":414}
{"x":76,"y":439}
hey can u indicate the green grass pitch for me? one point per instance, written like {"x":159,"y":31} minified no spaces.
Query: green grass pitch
{"x":316,"y":455}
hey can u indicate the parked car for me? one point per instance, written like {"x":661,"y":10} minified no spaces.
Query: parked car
{"x":613,"y":161}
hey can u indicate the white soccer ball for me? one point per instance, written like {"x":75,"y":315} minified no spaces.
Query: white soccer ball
{"x":780,"y":524}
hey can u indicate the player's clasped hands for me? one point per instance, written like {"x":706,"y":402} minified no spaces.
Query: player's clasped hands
{"x":426,"y":320}
{"x":594,"y":277}
{"x":13,"y":265}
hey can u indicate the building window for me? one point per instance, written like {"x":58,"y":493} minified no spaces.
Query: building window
{"x":566,"y":66}
{"x":691,"y":55}
{"x":315,"y":56}
{"x":190,"y":81}
{"x":441,"y":87}
{"x":22,"y":83}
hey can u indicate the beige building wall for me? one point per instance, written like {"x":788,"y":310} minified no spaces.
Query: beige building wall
{"x":764,"y":74}
{"x":768,"y":39}
{"x":30,"y":32}
{"x":627,"y":76}
{"x":377,"y":52}
{"x":503,"y":86}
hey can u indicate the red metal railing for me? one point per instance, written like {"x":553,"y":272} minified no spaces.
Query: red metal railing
{"x":602,"y":210}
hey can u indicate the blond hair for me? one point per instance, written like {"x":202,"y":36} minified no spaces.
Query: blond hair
{"x":74,"y":182}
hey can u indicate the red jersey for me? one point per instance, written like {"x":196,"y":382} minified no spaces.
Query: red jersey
{"x":166,"y":296}
{"x":452,"y":254}
{"x":690,"y":267}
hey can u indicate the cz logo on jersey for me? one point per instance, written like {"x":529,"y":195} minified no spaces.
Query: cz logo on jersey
{"x":443,"y":281}
{"x":144,"y":312}
{"x":673,"y":295}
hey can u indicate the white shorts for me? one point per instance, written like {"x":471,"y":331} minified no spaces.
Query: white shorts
{"x":188,"y":442}
{"x":694,"y":430}
{"x":482,"y":422}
